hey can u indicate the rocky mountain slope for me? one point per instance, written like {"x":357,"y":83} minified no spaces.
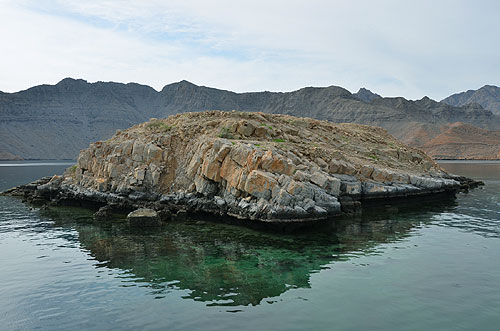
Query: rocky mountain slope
{"x":249,"y":165}
{"x":487,"y":96}
{"x":55,"y":122}
{"x":481,"y":144}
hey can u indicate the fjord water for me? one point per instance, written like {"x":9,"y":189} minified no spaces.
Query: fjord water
{"x":427,"y":266}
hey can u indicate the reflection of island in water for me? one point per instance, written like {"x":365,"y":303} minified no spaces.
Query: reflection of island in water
{"x":226,"y":265}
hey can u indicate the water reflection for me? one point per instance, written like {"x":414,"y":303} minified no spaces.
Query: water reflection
{"x":226,"y":265}
{"x":479,"y":210}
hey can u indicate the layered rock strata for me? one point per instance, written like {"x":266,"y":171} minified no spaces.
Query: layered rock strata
{"x":56,"y":121}
{"x":252,"y":166}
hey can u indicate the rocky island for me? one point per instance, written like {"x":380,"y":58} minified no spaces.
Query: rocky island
{"x":251,"y":166}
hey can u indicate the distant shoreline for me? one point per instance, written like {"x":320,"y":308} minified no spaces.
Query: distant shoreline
{"x":30,"y":160}
{"x":468,"y":161}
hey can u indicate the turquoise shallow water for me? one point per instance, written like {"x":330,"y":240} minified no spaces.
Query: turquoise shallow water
{"x":430,"y":266}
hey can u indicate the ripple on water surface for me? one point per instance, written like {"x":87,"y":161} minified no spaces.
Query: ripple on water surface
{"x":410,"y":268}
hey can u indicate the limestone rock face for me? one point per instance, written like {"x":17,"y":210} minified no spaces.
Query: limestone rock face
{"x":252,"y":166}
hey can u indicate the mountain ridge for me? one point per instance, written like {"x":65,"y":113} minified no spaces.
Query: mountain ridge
{"x":487,"y":96}
{"x":56,"y":121}
{"x":366,"y":95}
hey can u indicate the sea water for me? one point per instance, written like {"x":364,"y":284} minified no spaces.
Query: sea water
{"x":434,"y":265}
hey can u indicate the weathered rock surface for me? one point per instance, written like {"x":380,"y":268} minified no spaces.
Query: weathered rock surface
{"x":252,"y":166}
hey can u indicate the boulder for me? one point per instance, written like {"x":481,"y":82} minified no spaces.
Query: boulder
{"x":260,"y":184}
{"x":245,"y":128}
{"x":143,"y":217}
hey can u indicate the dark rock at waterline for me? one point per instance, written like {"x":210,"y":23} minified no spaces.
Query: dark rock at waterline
{"x":27,"y":190}
{"x":467,"y":184}
{"x":103,"y":214}
{"x":165,"y":215}
{"x":181,"y":215}
{"x":180,"y":206}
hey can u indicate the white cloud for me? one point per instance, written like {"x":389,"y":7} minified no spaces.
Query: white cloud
{"x":394,"y":47}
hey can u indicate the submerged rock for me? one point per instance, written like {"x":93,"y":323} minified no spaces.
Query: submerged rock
{"x":103,"y":214}
{"x":252,"y":166}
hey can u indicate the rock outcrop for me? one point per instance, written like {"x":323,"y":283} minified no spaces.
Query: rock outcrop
{"x":252,"y":166}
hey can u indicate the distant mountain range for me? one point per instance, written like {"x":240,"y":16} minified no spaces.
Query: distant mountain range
{"x":487,"y":96}
{"x":56,"y":121}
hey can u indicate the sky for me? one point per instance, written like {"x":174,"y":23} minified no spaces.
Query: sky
{"x":394,"y":48}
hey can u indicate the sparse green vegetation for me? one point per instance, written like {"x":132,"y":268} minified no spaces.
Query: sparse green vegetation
{"x":266,"y":125}
{"x":159,"y":126}
{"x":279,"y":140}
{"x":72,"y":171}
{"x":225,"y":133}
{"x":373,"y":156}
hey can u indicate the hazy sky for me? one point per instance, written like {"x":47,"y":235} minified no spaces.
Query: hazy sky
{"x":407,"y":48}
